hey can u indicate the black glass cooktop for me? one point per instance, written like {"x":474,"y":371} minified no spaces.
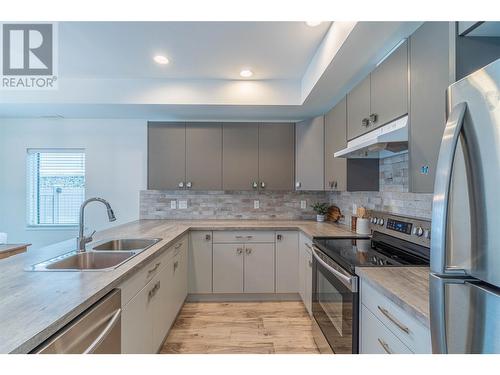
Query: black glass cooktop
{"x":381,"y":250}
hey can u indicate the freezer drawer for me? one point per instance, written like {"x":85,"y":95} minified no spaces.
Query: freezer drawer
{"x":465,"y":316}
{"x":96,"y":331}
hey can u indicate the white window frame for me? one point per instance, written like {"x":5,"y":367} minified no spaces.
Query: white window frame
{"x":29,"y":191}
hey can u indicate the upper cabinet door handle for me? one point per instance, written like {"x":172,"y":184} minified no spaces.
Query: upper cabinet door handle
{"x":181,"y":184}
{"x":373,"y":118}
{"x":365,"y":122}
{"x":298,"y":184}
{"x":189,"y":185}
{"x":262,"y":184}
{"x":254,"y":184}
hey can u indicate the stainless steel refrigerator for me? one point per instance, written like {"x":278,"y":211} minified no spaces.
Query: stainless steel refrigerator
{"x":465,"y":244}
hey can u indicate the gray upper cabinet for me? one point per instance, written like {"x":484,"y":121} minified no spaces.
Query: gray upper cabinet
{"x":204,"y":156}
{"x":166,"y":156}
{"x":276,"y":156}
{"x":309,"y":154}
{"x":335,"y":140}
{"x":430,"y":77}
{"x":358,"y":109}
{"x":389,"y":88}
{"x":240,"y":156}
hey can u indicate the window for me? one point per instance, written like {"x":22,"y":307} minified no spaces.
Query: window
{"x":56,"y":186}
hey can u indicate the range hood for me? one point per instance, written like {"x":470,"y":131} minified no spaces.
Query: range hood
{"x":388,"y":140}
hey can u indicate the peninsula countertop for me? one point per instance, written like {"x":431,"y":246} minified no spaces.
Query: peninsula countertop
{"x":35,"y":305}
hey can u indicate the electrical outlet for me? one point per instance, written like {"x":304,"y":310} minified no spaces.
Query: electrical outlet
{"x":173,"y":205}
{"x":183,"y":205}
{"x":256,"y":204}
{"x":303,"y":205}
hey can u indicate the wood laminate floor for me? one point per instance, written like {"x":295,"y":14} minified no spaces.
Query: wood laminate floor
{"x":241,"y":327}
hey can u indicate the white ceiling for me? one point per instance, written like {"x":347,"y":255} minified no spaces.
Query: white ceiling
{"x":196,"y":50}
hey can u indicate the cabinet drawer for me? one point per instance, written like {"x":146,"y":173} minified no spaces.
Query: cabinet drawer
{"x":139,"y":279}
{"x":376,"y":338}
{"x":247,"y":236}
{"x":410,"y":331}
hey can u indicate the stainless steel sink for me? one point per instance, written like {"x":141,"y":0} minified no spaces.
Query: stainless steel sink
{"x":126,"y":244}
{"x":105,"y":256}
{"x":85,"y":261}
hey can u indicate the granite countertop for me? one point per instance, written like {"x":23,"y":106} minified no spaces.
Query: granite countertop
{"x":34,"y":305}
{"x":407,"y":287}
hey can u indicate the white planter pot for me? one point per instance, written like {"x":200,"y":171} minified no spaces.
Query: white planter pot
{"x":320,"y":218}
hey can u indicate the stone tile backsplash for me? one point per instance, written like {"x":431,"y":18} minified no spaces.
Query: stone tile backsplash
{"x":393,"y":197}
{"x":229,"y":205}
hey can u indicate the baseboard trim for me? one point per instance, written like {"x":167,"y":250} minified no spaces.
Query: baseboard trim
{"x":239,"y":297}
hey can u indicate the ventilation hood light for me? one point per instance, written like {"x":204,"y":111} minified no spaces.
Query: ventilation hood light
{"x":313,"y":23}
{"x":162,"y":60}
{"x":246,"y":73}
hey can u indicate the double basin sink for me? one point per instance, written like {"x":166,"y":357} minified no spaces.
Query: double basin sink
{"x":102,"y":257}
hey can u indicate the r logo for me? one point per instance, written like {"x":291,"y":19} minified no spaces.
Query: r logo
{"x":27,"y":49}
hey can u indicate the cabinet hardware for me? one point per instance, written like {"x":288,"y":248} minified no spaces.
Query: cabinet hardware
{"x":181,"y":185}
{"x":248,"y":251}
{"x":310,"y":263}
{"x":239,"y":250}
{"x":279,"y":237}
{"x":365,"y":122}
{"x":238,"y":237}
{"x":298,"y":184}
{"x":389,"y":316}
{"x":178,"y":245}
{"x":373,"y":118}
{"x":153,"y":290}
{"x":249,"y":237}
{"x":384,"y":345}
{"x":262,"y":184}
{"x":254,"y":184}
{"x":176,"y":265}
{"x":154,"y":268}
{"x":189,"y":185}
{"x":208,"y":237}
{"x":333,"y":184}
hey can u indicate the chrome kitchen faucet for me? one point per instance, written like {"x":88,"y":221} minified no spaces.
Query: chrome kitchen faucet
{"x":82,"y":240}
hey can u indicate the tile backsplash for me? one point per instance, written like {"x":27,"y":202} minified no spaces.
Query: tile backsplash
{"x":229,"y":205}
{"x":393,"y":197}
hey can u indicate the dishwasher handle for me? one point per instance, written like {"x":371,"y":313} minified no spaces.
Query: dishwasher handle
{"x":105,"y":332}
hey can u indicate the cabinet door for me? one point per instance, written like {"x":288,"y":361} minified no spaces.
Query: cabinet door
{"x":228,"y":268}
{"x":335,"y":140}
{"x":308,"y":281}
{"x":180,"y":275}
{"x":166,"y":155}
{"x":259,"y":268}
{"x":430,"y":77}
{"x":287,"y":262}
{"x":358,"y":109}
{"x":276,"y":154}
{"x":389,"y":87}
{"x":309,"y":154}
{"x":240,"y":156}
{"x":161,"y":305}
{"x":204,"y":156}
{"x":200,"y":262}
{"x":137,"y":323}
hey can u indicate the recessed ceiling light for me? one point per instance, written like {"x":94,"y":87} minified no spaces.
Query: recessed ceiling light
{"x":161,"y":59}
{"x":246,"y":73}
{"x":313,"y":23}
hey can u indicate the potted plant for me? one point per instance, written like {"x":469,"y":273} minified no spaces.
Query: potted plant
{"x":321,"y":210}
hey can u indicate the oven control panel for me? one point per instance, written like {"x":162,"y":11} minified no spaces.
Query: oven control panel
{"x":410,"y":229}
{"x":399,"y":226}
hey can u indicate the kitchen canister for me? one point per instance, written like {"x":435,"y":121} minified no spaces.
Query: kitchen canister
{"x":362,"y":226}
{"x":3,"y":238}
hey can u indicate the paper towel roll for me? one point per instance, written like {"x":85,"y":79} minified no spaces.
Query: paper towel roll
{"x":3,"y":238}
{"x":363,"y":226}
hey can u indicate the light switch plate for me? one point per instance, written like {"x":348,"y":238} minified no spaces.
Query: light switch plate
{"x":256,"y":204}
{"x":173,"y":205}
{"x":183,"y":205}
{"x":303,"y":205}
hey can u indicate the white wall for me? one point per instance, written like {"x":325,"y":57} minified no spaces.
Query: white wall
{"x":116,"y":169}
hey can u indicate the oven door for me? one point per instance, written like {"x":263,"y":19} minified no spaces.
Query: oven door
{"x":335,"y":303}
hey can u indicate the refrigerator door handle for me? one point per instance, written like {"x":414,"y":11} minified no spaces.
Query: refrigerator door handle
{"x":437,"y":315}
{"x":442,"y":190}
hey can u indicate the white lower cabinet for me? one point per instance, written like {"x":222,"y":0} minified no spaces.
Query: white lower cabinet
{"x":305,"y":271}
{"x":287,"y":262}
{"x":200,"y":262}
{"x":228,"y":268}
{"x":258,"y":268}
{"x":149,"y":314}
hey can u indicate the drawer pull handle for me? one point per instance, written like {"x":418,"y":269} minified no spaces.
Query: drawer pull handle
{"x":178,"y":245}
{"x":249,"y":237}
{"x":385,"y":346}
{"x":153,"y":291}
{"x":154,"y":268}
{"x":389,"y":316}
{"x":239,"y":237}
{"x":239,"y":250}
{"x":176,"y":265}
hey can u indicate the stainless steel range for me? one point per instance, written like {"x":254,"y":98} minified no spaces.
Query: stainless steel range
{"x":394,"y":241}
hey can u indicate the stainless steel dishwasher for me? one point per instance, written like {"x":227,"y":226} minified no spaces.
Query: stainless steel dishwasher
{"x":97,"y":330}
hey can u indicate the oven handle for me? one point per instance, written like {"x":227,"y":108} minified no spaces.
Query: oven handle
{"x":349,"y":281}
